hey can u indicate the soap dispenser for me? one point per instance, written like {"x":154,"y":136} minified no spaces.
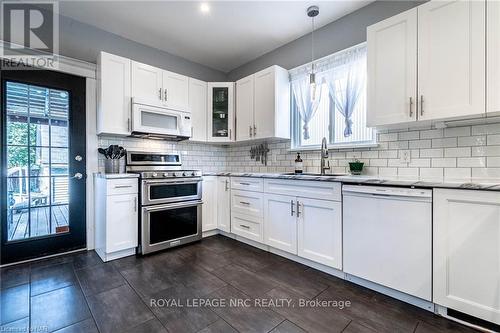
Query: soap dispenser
{"x":299,"y":165}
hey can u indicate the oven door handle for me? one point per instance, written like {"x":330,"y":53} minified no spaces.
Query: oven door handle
{"x":166,"y":182}
{"x":172,"y":205}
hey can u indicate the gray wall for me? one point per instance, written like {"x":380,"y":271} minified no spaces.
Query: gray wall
{"x":338,"y":35}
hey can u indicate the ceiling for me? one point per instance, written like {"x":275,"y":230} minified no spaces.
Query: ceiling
{"x":231,"y":34}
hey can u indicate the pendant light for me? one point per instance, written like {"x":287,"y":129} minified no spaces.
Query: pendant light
{"x":312,"y":12}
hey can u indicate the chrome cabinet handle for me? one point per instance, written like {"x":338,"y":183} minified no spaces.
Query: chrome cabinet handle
{"x":250,"y":132}
{"x":246,"y":184}
{"x":78,"y":158}
{"x":226,"y":185}
{"x":411,"y":105}
{"x":159,"y":94}
{"x":291,"y":208}
{"x":165,"y":95}
{"x":122,"y":186}
{"x":298,"y":208}
{"x":421,"y":105}
{"x":135,"y":204}
{"x":128,"y":124}
{"x":254,"y":130}
{"x":230,"y":135}
{"x":245,"y":203}
{"x":244,"y":226}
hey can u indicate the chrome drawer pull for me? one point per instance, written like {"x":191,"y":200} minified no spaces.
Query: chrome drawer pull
{"x":244,"y":203}
{"x":244,"y":226}
{"x":246,"y":184}
{"x":291,"y":208}
{"x":122,"y":186}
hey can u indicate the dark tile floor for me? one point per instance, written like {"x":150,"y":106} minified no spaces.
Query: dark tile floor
{"x":80,"y":293}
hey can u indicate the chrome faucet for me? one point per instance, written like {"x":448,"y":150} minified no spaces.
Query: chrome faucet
{"x":324,"y":157}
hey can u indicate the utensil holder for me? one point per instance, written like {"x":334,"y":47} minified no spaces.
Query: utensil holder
{"x":112,"y":166}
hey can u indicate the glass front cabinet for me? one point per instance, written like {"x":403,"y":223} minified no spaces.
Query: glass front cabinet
{"x":220,"y":112}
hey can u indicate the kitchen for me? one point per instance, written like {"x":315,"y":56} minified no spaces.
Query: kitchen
{"x":341,"y":176}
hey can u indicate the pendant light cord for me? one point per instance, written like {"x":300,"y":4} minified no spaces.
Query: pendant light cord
{"x":312,"y":46}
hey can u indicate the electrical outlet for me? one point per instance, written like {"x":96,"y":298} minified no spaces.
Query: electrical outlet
{"x":404,"y":156}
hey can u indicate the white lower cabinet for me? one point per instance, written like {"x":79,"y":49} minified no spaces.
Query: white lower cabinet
{"x":223,"y":204}
{"x":247,"y":226}
{"x":320,"y":231}
{"x":467,"y":252}
{"x":280,"y":222}
{"x":308,"y":227}
{"x":209,"y":208}
{"x":117,"y":224}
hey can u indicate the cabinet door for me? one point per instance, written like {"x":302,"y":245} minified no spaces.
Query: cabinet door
{"x":220,"y":112}
{"x":319,"y":231}
{"x":223,"y":204}
{"x":280,"y":222}
{"x":198,"y":107}
{"x":209,"y":208}
{"x":114,"y":95}
{"x":244,"y":108}
{"x":147,"y":82}
{"x":493,"y":56}
{"x":175,"y":91}
{"x":122,"y":223}
{"x":451,"y":59}
{"x":467,"y":252}
{"x":392,"y":70}
{"x":265,"y":104}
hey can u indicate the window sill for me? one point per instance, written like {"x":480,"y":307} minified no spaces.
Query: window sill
{"x":336,"y":147}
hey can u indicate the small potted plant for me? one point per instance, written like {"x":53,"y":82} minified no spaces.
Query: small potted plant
{"x":356,"y":167}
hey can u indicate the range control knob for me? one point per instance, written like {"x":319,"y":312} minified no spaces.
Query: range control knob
{"x":165,"y":174}
{"x":155,"y":174}
{"x":193,"y":173}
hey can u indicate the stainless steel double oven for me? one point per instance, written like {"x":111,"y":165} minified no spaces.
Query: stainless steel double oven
{"x":170,"y":200}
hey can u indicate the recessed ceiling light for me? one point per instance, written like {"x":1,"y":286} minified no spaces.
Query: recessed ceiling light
{"x":205,"y":8}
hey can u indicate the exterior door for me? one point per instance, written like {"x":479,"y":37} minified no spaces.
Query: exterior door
{"x":43,"y":164}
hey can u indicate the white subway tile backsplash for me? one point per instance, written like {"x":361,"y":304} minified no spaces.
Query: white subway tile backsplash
{"x":471,"y":162}
{"x":478,"y":140}
{"x":456,"y":153}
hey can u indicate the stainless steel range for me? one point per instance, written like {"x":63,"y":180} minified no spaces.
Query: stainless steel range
{"x":170,"y":200}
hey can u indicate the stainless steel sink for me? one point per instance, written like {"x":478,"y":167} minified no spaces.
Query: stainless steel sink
{"x":312,"y":174}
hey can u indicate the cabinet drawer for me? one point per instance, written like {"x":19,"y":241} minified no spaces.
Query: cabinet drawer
{"x":248,"y":203}
{"x":305,"y":188}
{"x":247,"y":226}
{"x":247,"y":184}
{"x":122,"y":186}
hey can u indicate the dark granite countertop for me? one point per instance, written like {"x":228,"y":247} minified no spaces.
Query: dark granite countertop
{"x":489,"y":184}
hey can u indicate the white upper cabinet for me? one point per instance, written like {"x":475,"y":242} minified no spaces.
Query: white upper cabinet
{"x":147,"y":82}
{"x":198,"y":108}
{"x":466,"y":252}
{"x":113,"y":116}
{"x":272,"y":103}
{"x":220,"y":126}
{"x":155,"y":85}
{"x":392,"y":70}
{"x":263,"y":110}
{"x":451,"y":59}
{"x":493,"y":56}
{"x":439,"y":75}
{"x":175,"y":91}
{"x":244,"y":108}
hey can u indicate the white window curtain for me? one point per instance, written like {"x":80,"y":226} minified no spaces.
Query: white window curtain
{"x":306,"y":105}
{"x":345,"y":83}
{"x":345,"y":75}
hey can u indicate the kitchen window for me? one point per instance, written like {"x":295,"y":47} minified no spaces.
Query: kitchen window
{"x":336,"y":108}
